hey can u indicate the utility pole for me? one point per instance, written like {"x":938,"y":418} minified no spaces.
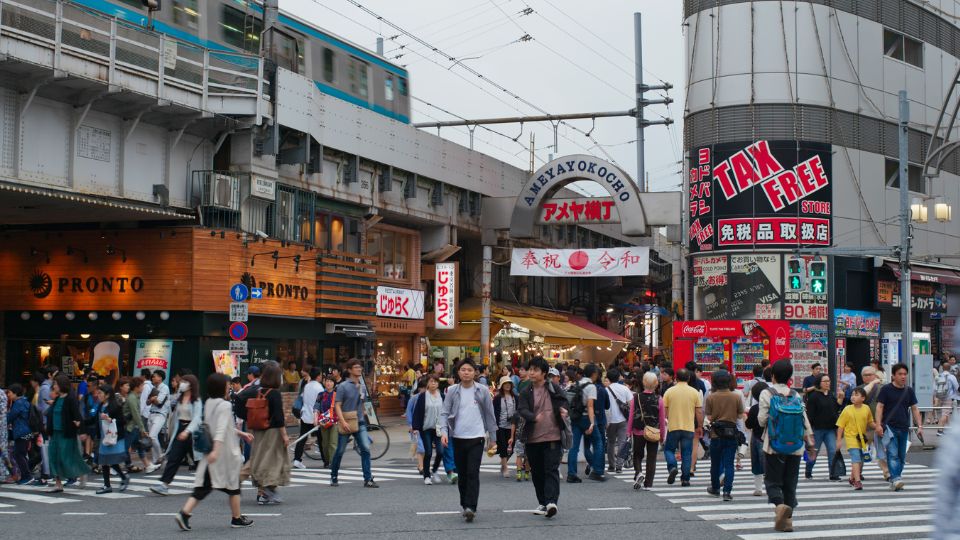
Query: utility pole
{"x":643,"y":102}
{"x":486,"y":281}
{"x":906,"y":331}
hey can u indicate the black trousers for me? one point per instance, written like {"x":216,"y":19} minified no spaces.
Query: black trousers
{"x":467,"y":454}
{"x":304,"y":428}
{"x":177,"y":454}
{"x":21,"y":448}
{"x":641,"y":446}
{"x":782,"y":475}
{"x":544,"y":459}
{"x":431,"y":440}
{"x":106,"y":473}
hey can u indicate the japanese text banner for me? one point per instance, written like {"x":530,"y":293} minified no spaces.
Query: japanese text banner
{"x":631,"y":261}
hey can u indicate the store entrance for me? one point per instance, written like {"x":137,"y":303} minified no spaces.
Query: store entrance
{"x":858,"y":354}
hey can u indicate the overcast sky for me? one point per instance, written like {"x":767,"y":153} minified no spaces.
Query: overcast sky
{"x":581,"y":59}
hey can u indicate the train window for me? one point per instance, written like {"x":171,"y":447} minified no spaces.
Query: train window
{"x":328,"y":73}
{"x":185,"y":13}
{"x":357,"y":73}
{"x":241,"y":30}
{"x":388,"y":88}
{"x":403,"y":87}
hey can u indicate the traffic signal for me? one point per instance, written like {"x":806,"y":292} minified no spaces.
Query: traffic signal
{"x":818,"y":277}
{"x":794,"y":274}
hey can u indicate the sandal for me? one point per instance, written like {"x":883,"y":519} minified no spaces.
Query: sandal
{"x":135,"y":469}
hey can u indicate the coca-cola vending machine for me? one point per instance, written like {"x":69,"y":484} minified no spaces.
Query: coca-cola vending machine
{"x":736,"y":346}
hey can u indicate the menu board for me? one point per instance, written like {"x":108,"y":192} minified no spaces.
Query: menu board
{"x":755,"y":286}
{"x":710,"y":287}
{"x":808,"y":346}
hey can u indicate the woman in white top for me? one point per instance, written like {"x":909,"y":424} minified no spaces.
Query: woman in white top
{"x":220,"y":468}
{"x":426,"y":419}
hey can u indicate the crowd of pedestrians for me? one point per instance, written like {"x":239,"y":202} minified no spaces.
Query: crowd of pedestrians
{"x":623,"y":417}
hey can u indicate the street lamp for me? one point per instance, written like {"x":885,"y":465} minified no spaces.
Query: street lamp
{"x":918,"y":211}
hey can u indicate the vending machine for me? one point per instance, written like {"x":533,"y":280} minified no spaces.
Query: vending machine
{"x":736,"y":346}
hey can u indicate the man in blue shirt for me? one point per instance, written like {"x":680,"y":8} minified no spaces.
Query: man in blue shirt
{"x":894,"y":404}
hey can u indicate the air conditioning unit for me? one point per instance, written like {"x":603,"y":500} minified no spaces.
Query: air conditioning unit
{"x":223,"y":191}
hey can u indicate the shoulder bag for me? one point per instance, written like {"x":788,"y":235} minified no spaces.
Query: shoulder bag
{"x":624,"y":409}
{"x":650,"y":433}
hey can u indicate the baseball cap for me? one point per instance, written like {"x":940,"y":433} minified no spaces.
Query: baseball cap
{"x":253,"y":370}
{"x":553,"y":372}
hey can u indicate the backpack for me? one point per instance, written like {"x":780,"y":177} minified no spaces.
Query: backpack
{"x":942,"y":389}
{"x":297,"y":408}
{"x":35,"y":420}
{"x":575,"y":396}
{"x":258,"y":411}
{"x":785,"y":425}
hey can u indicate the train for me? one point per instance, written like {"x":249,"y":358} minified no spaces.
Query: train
{"x":338,"y":67}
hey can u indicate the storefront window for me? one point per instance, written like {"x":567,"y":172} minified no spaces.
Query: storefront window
{"x":393,"y":249}
{"x":394,"y":354}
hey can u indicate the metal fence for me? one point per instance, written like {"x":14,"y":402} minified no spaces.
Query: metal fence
{"x":74,"y":30}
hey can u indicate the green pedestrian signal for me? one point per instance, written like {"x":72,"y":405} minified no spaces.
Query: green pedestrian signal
{"x":796,"y":283}
{"x":818,"y":286}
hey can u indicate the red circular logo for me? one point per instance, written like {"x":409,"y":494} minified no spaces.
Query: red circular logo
{"x":578,"y":260}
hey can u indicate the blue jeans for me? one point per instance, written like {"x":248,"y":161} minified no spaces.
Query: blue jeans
{"x":685,"y":440}
{"x":722,"y":452}
{"x":363,"y":441}
{"x":826,"y":437}
{"x":592,"y":443}
{"x":895,"y":441}
{"x":448,"y":464}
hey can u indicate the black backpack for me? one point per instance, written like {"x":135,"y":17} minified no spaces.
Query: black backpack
{"x":35,"y":420}
{"x":646,"y":406}
{"x":575,"y":396}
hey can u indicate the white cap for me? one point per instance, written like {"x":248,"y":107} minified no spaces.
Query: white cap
{"x":553,"y":372}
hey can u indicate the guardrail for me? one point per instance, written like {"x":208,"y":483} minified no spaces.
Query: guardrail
{"x":70,"y":29}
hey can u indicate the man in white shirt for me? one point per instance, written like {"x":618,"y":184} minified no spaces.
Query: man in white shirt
{"x":159,"y":401}
{"x":621,"y":398}
{"x":308,"y":416}
{"x":950,"y":402}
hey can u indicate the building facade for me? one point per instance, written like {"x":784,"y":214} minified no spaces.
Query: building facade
{"x":791,"y":132}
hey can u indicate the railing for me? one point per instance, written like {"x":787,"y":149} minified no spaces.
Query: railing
{"x":73,"y":30}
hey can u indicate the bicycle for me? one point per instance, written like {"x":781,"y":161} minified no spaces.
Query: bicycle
{"x":377,"y":436}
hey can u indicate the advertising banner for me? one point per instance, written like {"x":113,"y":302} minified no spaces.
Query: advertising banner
{"x":601,"y":262}
{"x":445,"y":296}
{"x":710,"y":287}
{"x":755,"y":286}
{"x":856,"y":324}
{"x":399,"y":303}
{"x":106,"y":359}
{"x":808,"y":346}
{"x":154,"y":354}
{"x":930,"y":297}
{"x":227,"y":363}
{"x":760,"y":194}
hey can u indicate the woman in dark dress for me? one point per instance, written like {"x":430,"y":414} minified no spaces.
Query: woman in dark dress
{"x":113,"y":446}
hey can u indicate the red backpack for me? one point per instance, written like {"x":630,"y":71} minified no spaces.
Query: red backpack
{"x":258,"y":411}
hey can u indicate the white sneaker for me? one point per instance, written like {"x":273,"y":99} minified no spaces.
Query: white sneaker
{"x":151,"y":468}
{"x":427,"y":482}
{"x":551,"y":510}
{"x":540,"y":511}
{"x":297,"y":464}
{"x":437,"y":479}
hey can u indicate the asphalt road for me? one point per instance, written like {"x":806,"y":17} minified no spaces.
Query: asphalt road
{"x":405,"y":508}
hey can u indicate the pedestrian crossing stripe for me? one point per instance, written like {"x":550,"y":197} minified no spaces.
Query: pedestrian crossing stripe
{"x":822,"y":508}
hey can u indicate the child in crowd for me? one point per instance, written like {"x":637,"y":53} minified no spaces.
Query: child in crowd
{"x":852,"y":425}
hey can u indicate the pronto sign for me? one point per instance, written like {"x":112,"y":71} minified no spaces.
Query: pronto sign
{"x":562,"y":171}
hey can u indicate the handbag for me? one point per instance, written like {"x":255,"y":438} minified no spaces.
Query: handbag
{"x":838,"y":468}
{"x":566,"y":435}
{"x":109,"y":430}
{"x":353,"y":423}
{"x":328,"y":418}
{"x":650,"y":433}
{"x":202,"y":442}
{"x":724,"y":430}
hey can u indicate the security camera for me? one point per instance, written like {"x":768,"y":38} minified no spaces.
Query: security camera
{"x":261,"y":234}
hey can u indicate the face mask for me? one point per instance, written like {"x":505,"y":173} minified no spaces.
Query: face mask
{"x":184,"y":386}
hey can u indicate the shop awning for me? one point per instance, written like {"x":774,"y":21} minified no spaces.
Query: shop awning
{"x":562,"y":332}
{"x":585,"y":324}
{"x":466,"y":334}
{"x":927,"y":274}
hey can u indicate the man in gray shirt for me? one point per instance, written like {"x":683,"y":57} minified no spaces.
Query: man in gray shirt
{"x":351,"y":394}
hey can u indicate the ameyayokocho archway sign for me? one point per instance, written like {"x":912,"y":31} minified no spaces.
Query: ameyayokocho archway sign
{"x":556,"y":174}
